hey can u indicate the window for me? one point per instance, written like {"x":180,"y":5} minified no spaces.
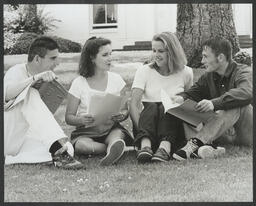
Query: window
{"x":104,"y":16}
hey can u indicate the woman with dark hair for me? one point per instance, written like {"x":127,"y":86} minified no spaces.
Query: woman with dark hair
{"x":157,"y":134}
{"x":96,"y":79}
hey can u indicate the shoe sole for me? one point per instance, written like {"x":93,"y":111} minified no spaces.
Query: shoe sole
{"x":71,"y":166}
{"x":158,"y":159}
{"x":144,"y":157}
{"x":177,"y":157}
{"x":210,"y":152}
{"x":115,"y":152}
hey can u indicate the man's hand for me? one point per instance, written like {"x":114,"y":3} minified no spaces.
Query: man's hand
{"x":177,"y":99}
{"x":204,"y":106}
{"x":46,"y":76}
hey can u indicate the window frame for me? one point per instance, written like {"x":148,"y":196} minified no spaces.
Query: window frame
{"x":108,"y":26}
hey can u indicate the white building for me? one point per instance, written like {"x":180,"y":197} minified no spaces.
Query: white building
{"x":126,"y":23}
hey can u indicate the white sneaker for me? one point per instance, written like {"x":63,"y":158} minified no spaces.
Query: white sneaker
{"x":115,"y":151}
{"x":208,"y":151}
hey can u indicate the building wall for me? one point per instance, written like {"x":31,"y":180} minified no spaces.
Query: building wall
{"x":243,"y":18}
{"x":74,"y":23}
{"x":136,"y":22}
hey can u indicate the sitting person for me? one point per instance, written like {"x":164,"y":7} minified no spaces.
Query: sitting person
{"x":225,"y":88}
{"x":95,"y":79}
{"x":30,"y":129}
{"x":158,"y":134}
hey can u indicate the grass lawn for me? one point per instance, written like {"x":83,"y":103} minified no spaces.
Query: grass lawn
{"x":228,"y":178}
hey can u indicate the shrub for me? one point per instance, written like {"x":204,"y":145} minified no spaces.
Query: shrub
{"x":22,"y":44}
{"x":18,"y":20}
{"x":9,"y":41}
{"x":243,"y":58}
{"x":66,"y":45}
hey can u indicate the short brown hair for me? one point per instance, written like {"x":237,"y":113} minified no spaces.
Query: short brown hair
{"x":40,"y":46}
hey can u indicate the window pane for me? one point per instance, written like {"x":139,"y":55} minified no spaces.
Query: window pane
{"x":99,"y":14}
{"x":111,"y":13}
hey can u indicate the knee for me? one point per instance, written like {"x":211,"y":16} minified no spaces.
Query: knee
{"x":81,"y":146}
{"x":247,"y":110}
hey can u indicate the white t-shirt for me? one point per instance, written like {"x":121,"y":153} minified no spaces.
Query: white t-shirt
{"x":17,"y":73}
{"x":81,"y":90}
{"x":151,"y":82}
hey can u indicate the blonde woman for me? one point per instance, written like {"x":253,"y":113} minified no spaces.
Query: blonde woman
{"x":156,"y":133}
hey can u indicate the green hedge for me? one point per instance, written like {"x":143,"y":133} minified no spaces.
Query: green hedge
{"x":22,"y":44}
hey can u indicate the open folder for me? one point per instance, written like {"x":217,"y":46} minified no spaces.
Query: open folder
{"x":103,"y":106}
{"x":186,"y":111}
{"x":52,"y":93}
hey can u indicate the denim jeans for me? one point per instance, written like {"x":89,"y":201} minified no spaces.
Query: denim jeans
{"x":241,"y":118}
{"x":158,"y":126}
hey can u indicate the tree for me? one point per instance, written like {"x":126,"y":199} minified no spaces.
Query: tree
{"x":198,"y":22}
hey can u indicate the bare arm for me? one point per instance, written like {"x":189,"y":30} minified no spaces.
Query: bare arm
{"x":135,"y":107}
{"x":71,"y":117}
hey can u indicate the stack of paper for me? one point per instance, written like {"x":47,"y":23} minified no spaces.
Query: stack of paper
{"x":102,"y":107}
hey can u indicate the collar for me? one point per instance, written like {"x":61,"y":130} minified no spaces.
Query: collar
{"x":231,"y":66}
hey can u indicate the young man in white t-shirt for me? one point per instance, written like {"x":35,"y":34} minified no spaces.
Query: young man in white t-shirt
{"x":30,"y":123}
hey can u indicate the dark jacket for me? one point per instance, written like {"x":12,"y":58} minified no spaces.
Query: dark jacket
{"x":232,"y":90}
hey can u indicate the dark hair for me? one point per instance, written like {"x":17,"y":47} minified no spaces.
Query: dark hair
{"x":219,"y":46}
{"x":40,"y":46}
{"x":89,"y":51}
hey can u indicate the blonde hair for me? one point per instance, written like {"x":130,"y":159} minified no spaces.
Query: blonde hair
{"x":176,"y":56}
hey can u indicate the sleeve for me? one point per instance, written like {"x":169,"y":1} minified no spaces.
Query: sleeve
{"x":120,"y":83}
{"x":188,"y":78}
{"x":198,"y":91}
{"x":75,"y":88}
{"x":11,"y":76}
{"x":239,"y":96}
{"x":140,"y":78}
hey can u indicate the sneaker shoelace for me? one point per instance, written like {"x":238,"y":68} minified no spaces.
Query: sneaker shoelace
{"x":67,"y":157}
{"x":190,"y":147}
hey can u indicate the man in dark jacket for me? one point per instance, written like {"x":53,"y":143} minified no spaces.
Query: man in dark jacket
{"x":225,"y":88}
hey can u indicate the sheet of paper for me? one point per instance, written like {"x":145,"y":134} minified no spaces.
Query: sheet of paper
{"x":102,"y":107}
{"x":20,"y":97}
{"x":167,"y":102}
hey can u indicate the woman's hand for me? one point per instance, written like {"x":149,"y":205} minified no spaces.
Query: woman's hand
{"x":87,"y":120}
{"x":121,"y":116}
{"x":177,"y":99}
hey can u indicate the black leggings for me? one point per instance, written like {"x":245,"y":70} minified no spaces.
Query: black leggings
{"x":158,"y":126}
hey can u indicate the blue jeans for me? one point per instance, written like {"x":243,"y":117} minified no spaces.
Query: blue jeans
{"x":241,"y":118}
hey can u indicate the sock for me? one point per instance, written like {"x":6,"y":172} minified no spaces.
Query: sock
{"x":70,"y":148}
{"x":166,"y":146}
{"x":145,"y":142}
{"x":55,"y":147}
